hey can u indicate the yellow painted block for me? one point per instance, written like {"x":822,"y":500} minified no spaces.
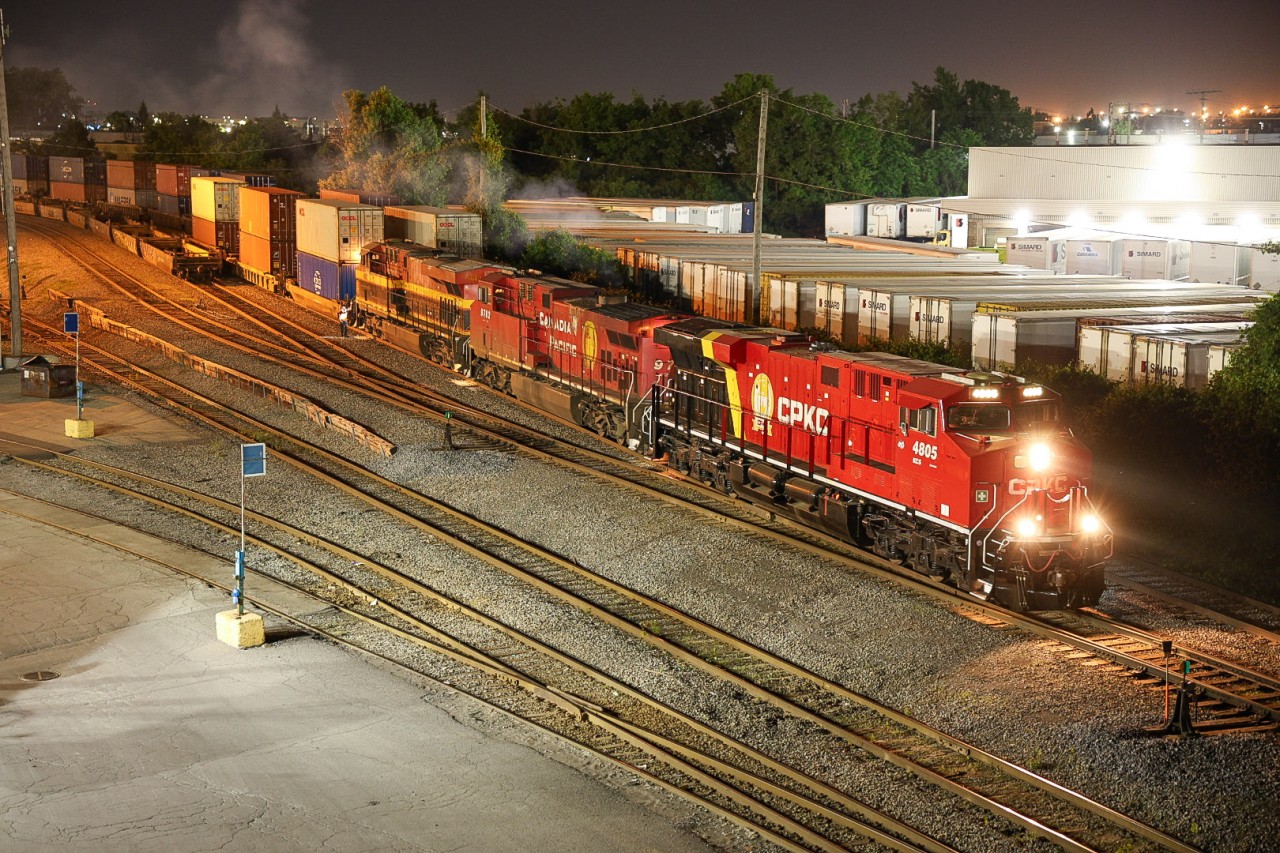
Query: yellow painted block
{"x":79,"y":429}
{"x":242,"y":632}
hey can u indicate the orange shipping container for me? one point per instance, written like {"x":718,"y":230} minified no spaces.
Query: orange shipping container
{"x":278,"y":257}
{"x":223,"y":235}
{"x":268,"y":213}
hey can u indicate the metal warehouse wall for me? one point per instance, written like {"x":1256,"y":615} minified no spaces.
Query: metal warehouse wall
{"x":1167,"y":172}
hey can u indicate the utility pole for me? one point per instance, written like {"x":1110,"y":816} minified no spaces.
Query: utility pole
{"x":1204,"y":100}
{"x":933,"y":126}
{"x":754,"y":319}
{"x":484,"y":117}
{"x":11,"y":224}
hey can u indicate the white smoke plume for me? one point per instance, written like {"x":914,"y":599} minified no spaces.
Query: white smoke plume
{"x":266,"y":59}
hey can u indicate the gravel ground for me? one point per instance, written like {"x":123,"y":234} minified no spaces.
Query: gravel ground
{"x":1012,"y":695}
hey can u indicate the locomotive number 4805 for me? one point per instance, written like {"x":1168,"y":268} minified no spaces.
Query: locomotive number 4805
{"x":926,"y":451}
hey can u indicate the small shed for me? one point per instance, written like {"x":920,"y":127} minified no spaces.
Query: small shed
{"x":43,"y":378}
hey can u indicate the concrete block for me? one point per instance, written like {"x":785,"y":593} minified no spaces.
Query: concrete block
{"x":79,"y":429}
{"x":242,"y":632}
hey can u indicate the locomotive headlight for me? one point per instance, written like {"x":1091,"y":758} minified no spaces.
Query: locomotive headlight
{"x":1040,"y":457}
{"x":1033,"y":391}
{"x":1026,"y":528}
{"x":1090,"y":523}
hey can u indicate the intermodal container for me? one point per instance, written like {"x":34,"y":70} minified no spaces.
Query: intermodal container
{"x":336,"y":230}
{"x":455,"y":231}
{"x":1264,"y":270}
{"x":251,"y":179}
{"x":66,"y":170}
{"x":223,"y":235}
{"x":131,"y":174}
{"x":215,"y":199}
{"x":887,"y":219}
{"x":278,"y":257}
{"x":327,"y":278}
{"x":175,"y":179}
{"x":174,"y":205}
{"x":360,"y":197}
{"x":1038,"y":252}
{"x":269,"y":213}
{"x":1150,"y":258}
{"x":1224,"y":263}
{"x":138,"y":198}
{"x":846,"y":219}
{"x":1093,"y":256}
{"x":29,"y":167}
{"x":84,"y":193}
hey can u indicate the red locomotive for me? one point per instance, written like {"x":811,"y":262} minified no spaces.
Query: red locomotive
{"x":961,"y":475}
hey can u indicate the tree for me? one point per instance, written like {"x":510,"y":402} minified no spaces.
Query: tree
{"x":387,"y":145}
{"x":175,"y":138}
{"x":39,"y":98}
{"x":72,"y":139}
{"x":1242,"y":403}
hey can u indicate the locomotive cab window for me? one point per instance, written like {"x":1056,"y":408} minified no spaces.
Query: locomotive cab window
{"x":919,"y":420}
{"x":482,"y":293}
{"x":1036,"y":414}
{"x":979,"y":417}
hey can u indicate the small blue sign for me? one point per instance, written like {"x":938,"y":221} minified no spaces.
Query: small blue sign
{"x":71,"y":323}
{"x":253,"y":460}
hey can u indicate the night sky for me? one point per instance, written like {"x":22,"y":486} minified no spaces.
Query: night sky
{"x":1059,"y":57}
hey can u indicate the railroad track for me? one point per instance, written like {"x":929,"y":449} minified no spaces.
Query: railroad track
{"x":1250,"y":693}
{"x":817,"y":544}
{"x":1009,"y":792}
{"x":1195,"y":596}
{"x":727,"y":776}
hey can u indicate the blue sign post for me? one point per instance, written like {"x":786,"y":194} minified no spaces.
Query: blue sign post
{"x":71,"y":325}
{"x":253,"y":463}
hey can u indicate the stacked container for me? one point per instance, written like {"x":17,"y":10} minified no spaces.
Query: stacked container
{"x":331,"y":234}
{"x":454,"y":231}
{"x":173,"y":187}
{"x":359,"y":197}
{"x":30,"y":174}
{"x":268,"y":230}
{"x":215,"y":212}
{"x":78,"y":179}
{"x":131,"y":182}
{"x":251,"y":179}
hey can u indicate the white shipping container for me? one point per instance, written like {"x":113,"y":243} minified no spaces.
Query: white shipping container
{"x":1219,"y":357}
{"x":957,"y":226}
{"x":336,"y":230}
{"x":1093,"y":256}
{"x":717,"y":218}
{"x":689,"y":214}
{"x":733,"y":218}
{"x":1166,"y":259}
{"x":215,"y":199}
{"x":1037,"y":252}
{"x":1181,"y":360}
{"x":456,"y":231}
{"x":846,"y":219}
{"x":1264,"y":271}
{"x":1219,"y":263}
{"x":887,"y":219}
{"x":923,"y":221}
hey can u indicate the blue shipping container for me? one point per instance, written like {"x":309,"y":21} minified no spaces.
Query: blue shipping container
{"x":748,"y":217}
{"x":328,"y":279}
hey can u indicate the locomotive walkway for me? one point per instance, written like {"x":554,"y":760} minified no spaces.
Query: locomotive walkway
{"x":155,"y":736}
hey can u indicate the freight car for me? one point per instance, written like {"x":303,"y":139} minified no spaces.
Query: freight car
{"x":966,"y":476}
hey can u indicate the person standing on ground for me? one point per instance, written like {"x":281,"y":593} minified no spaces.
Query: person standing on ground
{"x":342,"y":320}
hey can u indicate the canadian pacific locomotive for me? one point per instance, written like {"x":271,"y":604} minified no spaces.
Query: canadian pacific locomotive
{"x":965,"y":476}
